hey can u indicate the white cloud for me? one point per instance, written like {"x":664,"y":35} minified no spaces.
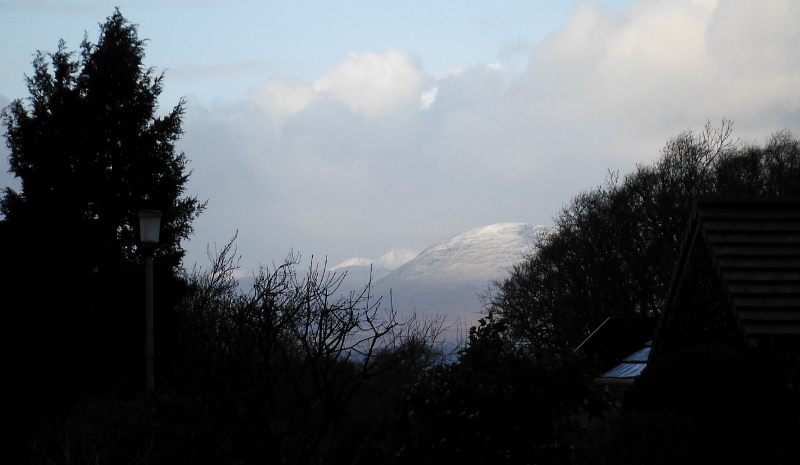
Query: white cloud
{"x":770,"y":29}
{"x":284,"y":96}
{"x":428,"y":98}
{"x":374,"y":83}
{"x":376,"y":154}
{"x":456,"y":69}
{"x":661,"y":66}
{"x":371,"y":84}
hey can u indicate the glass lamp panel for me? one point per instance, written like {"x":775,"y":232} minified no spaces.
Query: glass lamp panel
{"x":149,"y":226}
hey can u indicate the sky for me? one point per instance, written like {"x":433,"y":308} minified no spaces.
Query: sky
{"x":341,"y":129}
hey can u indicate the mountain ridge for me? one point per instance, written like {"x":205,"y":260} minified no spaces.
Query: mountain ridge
{"x":449,"y":277}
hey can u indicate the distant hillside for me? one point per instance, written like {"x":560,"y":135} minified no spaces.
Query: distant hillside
{"x":448,"y":278}
{"x":358,"y":269}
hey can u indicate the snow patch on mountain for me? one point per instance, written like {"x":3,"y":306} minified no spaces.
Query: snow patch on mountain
{"x":358,"y":272}
{"x":389,"y":261}
{"x":486,"y":252}
{"x":449,"y":278}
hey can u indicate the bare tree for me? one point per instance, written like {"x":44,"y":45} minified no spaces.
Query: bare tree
{"x":274,"y":366}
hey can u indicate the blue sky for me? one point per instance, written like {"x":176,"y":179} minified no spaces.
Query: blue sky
{"x":351,"y":128}
{"x":217,"y":49}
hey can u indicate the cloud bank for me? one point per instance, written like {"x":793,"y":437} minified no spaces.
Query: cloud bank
{"x":379,"y":153}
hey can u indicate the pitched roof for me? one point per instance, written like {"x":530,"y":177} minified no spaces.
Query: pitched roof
{"x":754,"y":246}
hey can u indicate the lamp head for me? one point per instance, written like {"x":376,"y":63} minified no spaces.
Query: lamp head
{"x":149,"y":227}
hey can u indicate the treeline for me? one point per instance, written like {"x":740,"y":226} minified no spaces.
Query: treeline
{"x":288,"y":371}
{"x":614,"y":248}
{"x":519,"y":392}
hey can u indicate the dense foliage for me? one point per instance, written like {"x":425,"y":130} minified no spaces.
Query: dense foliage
{"x":613,"y":248}
{"x":611,"y":254}
{"x":495,"y":404}
{"x":287,"y":371}
{"x":90,"y":150}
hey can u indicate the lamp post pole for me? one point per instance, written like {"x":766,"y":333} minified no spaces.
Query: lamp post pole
{"x":149,"y":226}
{"x":150,"y":382}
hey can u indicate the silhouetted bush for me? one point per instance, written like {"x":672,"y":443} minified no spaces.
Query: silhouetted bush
{"x":494,"y":405}
{"x":117,"y":428}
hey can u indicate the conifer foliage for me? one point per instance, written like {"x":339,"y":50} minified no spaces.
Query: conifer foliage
{"x":91,"y":150}
{"x":89,"y":146}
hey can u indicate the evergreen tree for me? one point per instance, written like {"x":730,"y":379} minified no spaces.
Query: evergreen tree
{"x":91,"y":151}
{"x":89,"y":147}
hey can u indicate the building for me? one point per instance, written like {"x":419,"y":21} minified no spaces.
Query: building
{"x":737,"y":280}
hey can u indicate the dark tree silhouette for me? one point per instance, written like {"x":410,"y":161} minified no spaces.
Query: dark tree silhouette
{"x":495,"y":404}
{"x":611,"y":253}
{"x":89,"y":147}
{"x":613,"y":248}
{"x":91,"y":151}
{"x":281,"y":370}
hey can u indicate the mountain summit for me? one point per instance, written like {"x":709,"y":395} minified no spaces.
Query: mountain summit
{"x":448,"y":278}
{"x":483,"y":253}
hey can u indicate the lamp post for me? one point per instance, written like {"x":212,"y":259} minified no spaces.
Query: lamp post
{"x":149,"y":227}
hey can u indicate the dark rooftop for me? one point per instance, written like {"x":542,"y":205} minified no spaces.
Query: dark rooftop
{"x":755,"y":246}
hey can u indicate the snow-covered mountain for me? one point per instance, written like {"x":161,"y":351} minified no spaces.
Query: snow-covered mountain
{"x":447,"y":278}
{"x":358,"y":269}
{"x":479,"y":254}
